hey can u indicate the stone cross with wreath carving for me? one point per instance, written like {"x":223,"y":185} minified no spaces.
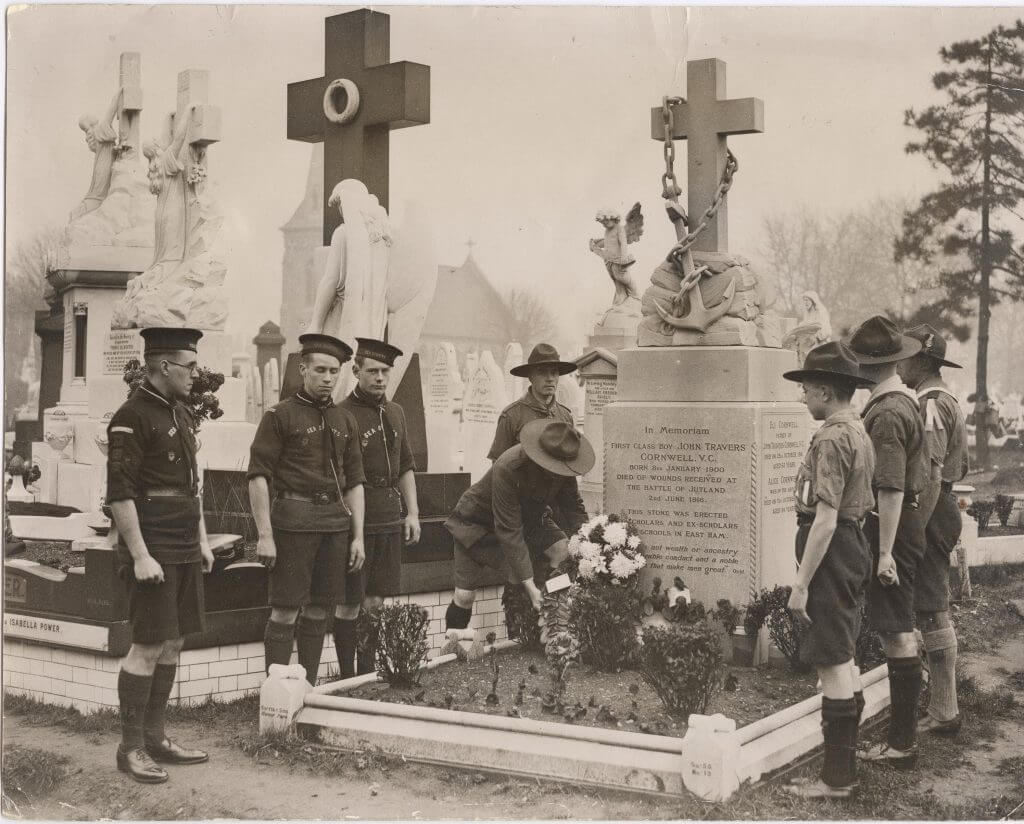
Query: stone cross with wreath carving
{"x":354,"y":106}
{"x":704,"y":119}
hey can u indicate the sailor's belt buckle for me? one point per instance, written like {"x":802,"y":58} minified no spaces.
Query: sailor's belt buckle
{"x":322,"y":497}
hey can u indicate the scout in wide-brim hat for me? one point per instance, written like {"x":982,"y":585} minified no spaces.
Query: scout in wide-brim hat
{"x":831,"y":361}
{"x":313,"y":343}
{"x":877,"y":340}
{"x":543,"y":354}
{"x":932,"y":344}
{"x":557,"y":447}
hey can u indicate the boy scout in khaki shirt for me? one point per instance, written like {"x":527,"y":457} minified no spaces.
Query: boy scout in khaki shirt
{"x":390,"y":482}
{"x":945,"y":435}
{"x":306,"y":450}
{"x":833,"y":494}
{"x":896,"y":533}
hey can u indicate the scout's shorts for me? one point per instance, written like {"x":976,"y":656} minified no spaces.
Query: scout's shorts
{"x":171,"y":609}
{"x":312,"y":568}
{"x":835,"y":594}
{"x":891,"y":608}
{"x":476,"y":548}
{"x":931,"y":589}
{"x":383,"y":568}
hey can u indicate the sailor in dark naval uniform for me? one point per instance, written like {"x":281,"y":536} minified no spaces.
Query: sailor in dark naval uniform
{"x":306,"y":450}
{"x":895,"y":530}
{"x":945,"y":437}
{"x":542,"y":369}
{"x":392,"y":511}
{"x":162,"y":550}
{"x":503,"y":521}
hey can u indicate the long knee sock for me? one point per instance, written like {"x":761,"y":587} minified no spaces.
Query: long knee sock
{"x":457,"y":617}
{"x":941,"y":646}
{"x":345,"y":645}
{"x":310,"y":641}
{"x":133,"y":695}
{"x":839,"y":722}
{"x":163,"y":683}
{"x":904,"y":692}
{"x":277,"y":643}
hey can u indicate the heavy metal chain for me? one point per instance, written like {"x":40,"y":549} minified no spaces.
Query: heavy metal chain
{"x":670,"y":187}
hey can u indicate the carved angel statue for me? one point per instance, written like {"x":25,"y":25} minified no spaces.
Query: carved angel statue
{"x":815,"y":326}
{"x":612,"y":249}
{"x":101,"y":138}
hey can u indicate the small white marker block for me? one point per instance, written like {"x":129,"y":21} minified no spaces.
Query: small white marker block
{"x":711,"y":756}
{"x":281,"y":696}
{"x":557,"y":584}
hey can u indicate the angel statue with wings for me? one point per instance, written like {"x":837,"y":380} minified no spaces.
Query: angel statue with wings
{"x":612,"y":249}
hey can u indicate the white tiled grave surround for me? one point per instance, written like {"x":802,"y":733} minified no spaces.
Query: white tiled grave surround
{"x":88,"y":681}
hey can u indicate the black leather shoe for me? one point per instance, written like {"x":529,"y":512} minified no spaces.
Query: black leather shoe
{"x":936,"y":727}
{"x":168,"y":752}
{"x":137,"y":763}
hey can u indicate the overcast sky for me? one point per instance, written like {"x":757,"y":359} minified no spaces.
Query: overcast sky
{"x":539,"y":116}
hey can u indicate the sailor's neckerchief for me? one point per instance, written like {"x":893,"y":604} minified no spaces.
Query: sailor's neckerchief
{"x":187,"y":444}
{"x":330,"y":449}
{"x":365,"y":399}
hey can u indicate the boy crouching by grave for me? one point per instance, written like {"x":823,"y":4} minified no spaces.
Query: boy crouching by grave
{"x":504,"y":520}
{"x":945,"y":437}
{"x":311,"y":539}
{"x":390,"y":480}
{"x":833,"y":494}
{"x":162,"y":550}
{"x":895,"y":530}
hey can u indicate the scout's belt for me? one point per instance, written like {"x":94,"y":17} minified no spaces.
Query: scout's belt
{"x":803,"y":519}
{"x":327,"y":496}
{"x":168,"y":492}
{"x":381,"y":483}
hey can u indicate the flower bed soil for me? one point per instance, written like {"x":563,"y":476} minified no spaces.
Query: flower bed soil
{"x":621,"y":700}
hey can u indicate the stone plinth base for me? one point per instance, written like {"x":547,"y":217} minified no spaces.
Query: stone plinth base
{"x":225,"y":444}
{"x":706,"y":373}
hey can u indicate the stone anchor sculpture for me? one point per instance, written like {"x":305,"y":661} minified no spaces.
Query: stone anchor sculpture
{"x":705,"y":299}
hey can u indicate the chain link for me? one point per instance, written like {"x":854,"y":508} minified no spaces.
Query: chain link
{"x":671,"y":190}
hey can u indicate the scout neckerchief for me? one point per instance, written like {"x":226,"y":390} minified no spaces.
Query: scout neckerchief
{"x":330,"y":448}
{"x":366,"y":400}
{"x":932,"y":419}
{"x":890,"y":386}
{"x":187,"y":444}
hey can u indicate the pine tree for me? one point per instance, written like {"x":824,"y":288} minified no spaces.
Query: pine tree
{"x":966,"y":227}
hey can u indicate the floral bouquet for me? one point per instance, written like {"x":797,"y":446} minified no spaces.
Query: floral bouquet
{"x":606,"y":602}
{"x":607,"y":548}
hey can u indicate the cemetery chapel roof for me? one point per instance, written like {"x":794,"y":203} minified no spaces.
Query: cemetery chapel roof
{"x":466,"y":305}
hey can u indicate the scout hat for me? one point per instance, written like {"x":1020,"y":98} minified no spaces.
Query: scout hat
{"x":877,"y":340}
{"x":325,"y":344}
{"x":543,"y":354}
{"x":170,"y":339}
{"x":830,"y":361}
{"x":377,"y":350}
{"x":932,"y":344}
{"x":557,"y":447}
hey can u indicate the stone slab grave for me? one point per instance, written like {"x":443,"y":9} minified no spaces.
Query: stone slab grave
{"x":710,"y":761}
{"x":442,"y":410}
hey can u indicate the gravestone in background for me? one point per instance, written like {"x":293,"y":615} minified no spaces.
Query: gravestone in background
{"x":514,"y":386}
{"x":444,"y":403}
{"x":597,"y":369}
{"x":485,"y":398}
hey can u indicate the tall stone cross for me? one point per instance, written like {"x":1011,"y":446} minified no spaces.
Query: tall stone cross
{"x":130,"y":80}
{"x":704,"y":119}
{"x":354,"y":106}
{"x":193,"y":95}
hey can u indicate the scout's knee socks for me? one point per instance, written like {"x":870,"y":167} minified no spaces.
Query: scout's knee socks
{"x":457,"y":617}
{"x":133,"y":696}
{"x":904,"y":692}
{"x":160,"y":691}
{"x":310,"y":642}
{"x":839,"y":726}
{"x":345,"y":645}
{"x":941,"y":646}
{"x":277,"y":643}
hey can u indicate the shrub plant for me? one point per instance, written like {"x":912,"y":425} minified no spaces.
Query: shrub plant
{"x":981,"y":510}
{"x":400,"y":635}
{"x":683,"y":663}
{"x":769,"y":609}
{"x":521,"y":618}
{"x":1003,"y":507}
